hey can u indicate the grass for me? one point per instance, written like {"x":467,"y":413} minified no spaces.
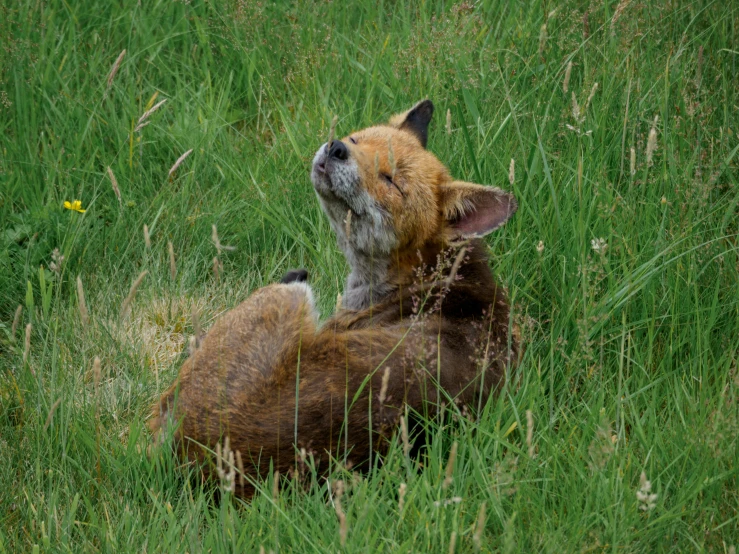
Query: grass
{"x":628,"y":309}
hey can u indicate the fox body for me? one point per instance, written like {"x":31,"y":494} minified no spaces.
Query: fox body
{"x":423,"y":320}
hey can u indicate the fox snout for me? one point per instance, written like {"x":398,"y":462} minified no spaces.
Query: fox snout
{"x":334,"y":173}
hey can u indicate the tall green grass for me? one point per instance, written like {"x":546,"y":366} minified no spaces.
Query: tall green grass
{"x":624,"y":283}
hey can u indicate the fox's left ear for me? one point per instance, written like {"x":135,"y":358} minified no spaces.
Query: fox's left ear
{"x":474,"y":210}
{"x":416,"y":120}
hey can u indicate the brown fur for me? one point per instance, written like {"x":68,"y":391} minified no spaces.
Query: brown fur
{"x":441,"y":327}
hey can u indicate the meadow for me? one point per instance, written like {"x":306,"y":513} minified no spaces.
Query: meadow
{"x":614,"y":124}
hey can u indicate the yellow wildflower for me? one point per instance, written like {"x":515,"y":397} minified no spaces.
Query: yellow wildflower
{"x":75,"y":206}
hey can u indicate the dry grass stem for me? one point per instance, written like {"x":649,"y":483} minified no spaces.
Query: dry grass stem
{"x":339,"y":301}
{"x":147,"y":238}
{"x":632,"y":165}
{"x":217,"y":242}
{"x":114,"y":184}
{"x":114,"y":69}
{"x":126,"y":306}
{"x":455,"y":266}
{"x":449,"y":122}
{"x":449,"y":473}
{"x":217,"y":267}
{"x":178,"y":162}
{"x":479,"y":528}
{"x":81,"y":304}
{"x":141,"y":123}
{"x":530,"y":432}
{"x":51,"y":413}
{"x":566,"y":83}
{"x":16,"y":321}
{"x":172,"y":264}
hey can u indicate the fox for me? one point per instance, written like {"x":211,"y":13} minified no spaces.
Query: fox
{"x":423,"y":323}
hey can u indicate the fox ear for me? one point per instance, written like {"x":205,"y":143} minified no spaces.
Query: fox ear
{"x":416,"y":120}
{"x":474,"y":210}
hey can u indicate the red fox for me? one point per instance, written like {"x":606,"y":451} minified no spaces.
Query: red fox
{"x":423,"y":321}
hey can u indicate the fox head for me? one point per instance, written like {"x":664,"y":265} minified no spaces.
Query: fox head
{"x":388,"y":199}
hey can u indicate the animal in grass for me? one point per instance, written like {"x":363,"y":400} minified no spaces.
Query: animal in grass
{"x":423,"y":320}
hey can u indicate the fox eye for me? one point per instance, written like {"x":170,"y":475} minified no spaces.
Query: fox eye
{"x":352,"y":140}
{"x":389,"y":180}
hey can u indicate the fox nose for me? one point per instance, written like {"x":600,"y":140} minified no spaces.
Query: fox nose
{"x":338,"y":150}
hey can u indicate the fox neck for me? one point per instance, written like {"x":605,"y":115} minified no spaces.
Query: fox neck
{"x":368,"y":283}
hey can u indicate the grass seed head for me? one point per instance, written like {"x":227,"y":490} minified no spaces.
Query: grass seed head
{"x":568,"y":73}
{"x":343,"y":525}
{"x":479,"y":528}
{"x":530,"y":433}
{"x":401,"y":496}
{"x":332,"y":130}
{"x":449,"y":122}
{"x":452,"y":542}
{"x":126,"y":306}
{"x":449,"y":473}
{"x":575,"y":108}
{"x":512,"y":171}
{"x":632,"y":162}
{"x":275,"y":484}
{"x":647,"y":500}
{"x":27,"y":344}
{"x":81,"y":304}
{"x":16,"y":321}
{"x":383,"y":387}
{"x":114,"y":69}
{"x":348,"y":223}
{"x":542,"y":38}
{"x":96,"y":374}
{"x":114,"y":184}
{"x":178,"y":163}
{"x":51,"y":413}
{"x":141,"y":123}
{"x":404,"y":436}
{"x":147,"y":237}
{"x":652,"y":142}
{"x":590,"y":96}
{"x":172,"y":264}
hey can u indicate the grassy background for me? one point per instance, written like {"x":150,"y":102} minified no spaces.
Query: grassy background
{"x":630,"y":361}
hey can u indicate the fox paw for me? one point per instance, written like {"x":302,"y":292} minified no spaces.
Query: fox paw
{"x":295,"y":276}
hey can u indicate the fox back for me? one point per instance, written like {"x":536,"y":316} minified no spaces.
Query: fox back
{"x":423,"y":321}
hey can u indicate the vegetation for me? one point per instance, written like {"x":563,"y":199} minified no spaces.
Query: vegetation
{"x":622,"y":263}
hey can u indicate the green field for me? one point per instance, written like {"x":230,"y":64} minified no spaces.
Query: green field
{"x":621,"y":263}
